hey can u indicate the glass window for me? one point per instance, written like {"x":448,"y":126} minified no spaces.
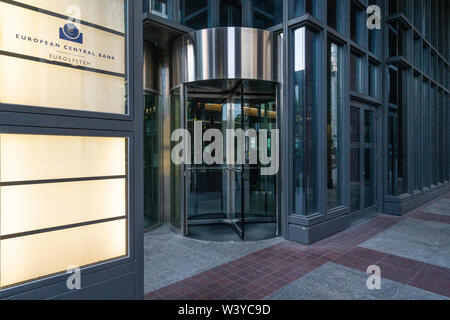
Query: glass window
{"x":356,"y":73}
{"x":392,"y":152}
{"x":357,"y":23}
{"x":152,"y":216}
{"x":433,"y":144}
{"x":66,"y":181}
{"x":195,"y":14}
{"x":392,"y":85}
{"x":175,"y":172}
{"x":440,"y":129}
{"x":69,"y":64}
{"x":266,"y":13}
{"x":417,"y":14}
{"x":402,"y":136}
{"x":305,"y":148}
{"x":393,"y":40}
{"x":433,"y":66}
{"x":426,"y":137}
{"x":334,"y":130}
{"x":301,"y":7}
{"x":374,"y":80}
{"x":158,"y":7}
{"x":392,"y":7}
{"x":417,"y":132}
{"x":417,"y":52}
{"x":403,"y":48}
{"x":230,"y":13}
{"x":398,"y":6}
{"x":355,"y":173}
{"x":335,"y":14}
{"x":426,"y":60}
{"x":440,"y":69}
{"x":397,"y":137}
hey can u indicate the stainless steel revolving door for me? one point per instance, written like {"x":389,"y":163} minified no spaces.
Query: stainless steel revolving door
{"x":223,"y":191}
{"x":225,"y":99}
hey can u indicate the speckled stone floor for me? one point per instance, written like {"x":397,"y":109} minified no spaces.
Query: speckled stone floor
{"x":412,"y":252}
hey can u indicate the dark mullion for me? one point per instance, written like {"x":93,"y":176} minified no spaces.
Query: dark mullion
{"x":59,"y":228}
{"x":48,"y":181}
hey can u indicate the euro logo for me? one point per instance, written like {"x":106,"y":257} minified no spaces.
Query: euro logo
{"x":70,"y":32}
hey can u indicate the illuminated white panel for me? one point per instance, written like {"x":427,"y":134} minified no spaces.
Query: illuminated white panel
{"x":35,"y":34}
{"x":46,"y":85}
{"x":42,"y":157}
{"x":35,"y":256}
{"x":33,"y":207}
{"x":107,"y":13}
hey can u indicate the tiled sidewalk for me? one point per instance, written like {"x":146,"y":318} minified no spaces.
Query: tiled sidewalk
{"x":285,"y":270}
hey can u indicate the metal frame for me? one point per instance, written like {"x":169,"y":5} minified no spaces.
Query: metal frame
{"x":230,"y":221}
{"x":367,"y":212}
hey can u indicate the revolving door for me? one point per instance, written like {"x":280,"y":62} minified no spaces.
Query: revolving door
{"x":224,"y":192}
{"x":224,"y":97}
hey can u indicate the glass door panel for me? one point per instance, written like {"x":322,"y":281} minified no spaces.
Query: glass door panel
{"x":355,"y":172}
{"x":232,"y":193}
{"x":363,"y":165}
{"x":369,"y":159}
{"x":152,"y":212}
{"x":260,"y":190}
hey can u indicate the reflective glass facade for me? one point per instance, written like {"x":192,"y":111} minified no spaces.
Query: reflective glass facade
{"x":362,"y":112}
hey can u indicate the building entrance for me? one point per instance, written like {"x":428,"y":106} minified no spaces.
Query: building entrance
{"x":225,"y":201}
{"x":363,"y":160}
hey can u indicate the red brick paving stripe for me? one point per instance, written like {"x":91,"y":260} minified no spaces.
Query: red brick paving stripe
{"x":261,"y":273}
{"x":432,"y":284}
{"x":430,"y":217}
{"x":406,"y":271}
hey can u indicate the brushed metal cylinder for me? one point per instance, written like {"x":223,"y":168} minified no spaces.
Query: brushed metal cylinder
{"x":222,"y":53}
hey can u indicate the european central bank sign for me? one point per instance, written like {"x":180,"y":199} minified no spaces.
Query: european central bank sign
{"x":47,"y":45}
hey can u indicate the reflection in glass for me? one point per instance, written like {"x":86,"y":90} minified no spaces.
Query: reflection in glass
{"x":418,"y":132}
{"x":152,"y":216}
{"x":334,"y":14}
{"x":356,"y":82}
{"x":158,"y":7}
{"x":392,"y":154}
{"x":369,"y":158}
{"x":426,"y":138}
{"x":356,"y":22}
{"x":230,"y":12}
{"x":194,"y":14}
{"x":223,"y":196}
{"x":175,"y":185}
{"x":397,"y":151}
{"x":305,"y":147}
{"x":334,"y":157}
{"x":355,"y":145}
{"x":301,"y":7}
{"x":373,"y":80}
{"x":266,"y":13}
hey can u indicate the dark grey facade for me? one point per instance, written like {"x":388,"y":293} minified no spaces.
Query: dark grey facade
{"x":363,"y":113}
